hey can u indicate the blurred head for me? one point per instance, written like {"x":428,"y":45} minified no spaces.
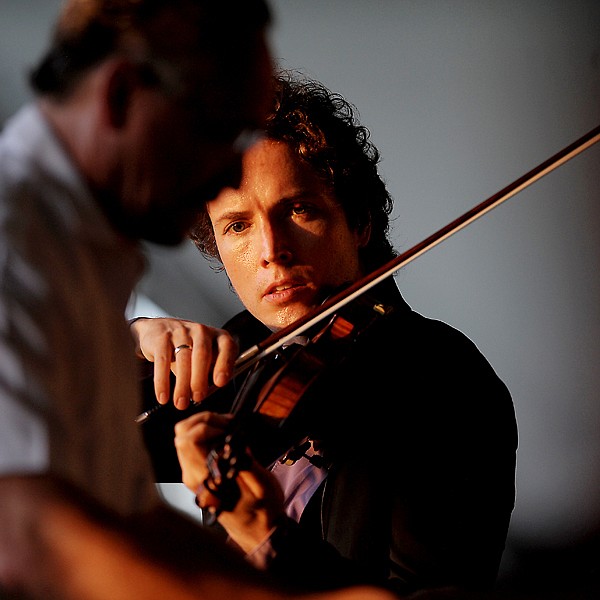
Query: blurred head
{"x":171,"y":89}
{"x":311,"y":213}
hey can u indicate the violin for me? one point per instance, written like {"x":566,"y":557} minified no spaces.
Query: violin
{"x":270,"y":408}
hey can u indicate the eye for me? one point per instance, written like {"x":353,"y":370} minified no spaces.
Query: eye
{"x":299,"y":209}
{"x":304,"y":211}
{"x":236,"y":227}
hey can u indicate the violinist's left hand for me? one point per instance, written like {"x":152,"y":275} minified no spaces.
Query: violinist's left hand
{"x":261,"y":499}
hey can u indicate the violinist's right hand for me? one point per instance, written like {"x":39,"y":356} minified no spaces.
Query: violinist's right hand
{"x":192,"y":351}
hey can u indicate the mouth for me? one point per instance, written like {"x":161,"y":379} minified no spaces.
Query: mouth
{"x":285,"y":291}
{"x":282,"y":286}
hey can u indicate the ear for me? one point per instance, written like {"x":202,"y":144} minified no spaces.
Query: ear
{"x":364,"y":235}
{"x":119,"y":86}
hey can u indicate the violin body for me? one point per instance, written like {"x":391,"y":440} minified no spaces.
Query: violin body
{"x":275,"y":410}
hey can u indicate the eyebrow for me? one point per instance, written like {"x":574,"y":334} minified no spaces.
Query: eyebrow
{"x":235,"y":215}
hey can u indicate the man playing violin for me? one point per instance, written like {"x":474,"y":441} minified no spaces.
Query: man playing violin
{"x":414,"y":434}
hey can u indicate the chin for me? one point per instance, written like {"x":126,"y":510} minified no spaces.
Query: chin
{"x":288,"y":318}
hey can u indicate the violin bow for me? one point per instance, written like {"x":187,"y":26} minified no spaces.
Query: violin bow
{"x":333,"y":304}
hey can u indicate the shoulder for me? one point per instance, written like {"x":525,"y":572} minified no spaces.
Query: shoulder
{"x":34,"y":167}
{"x":405,"y":330}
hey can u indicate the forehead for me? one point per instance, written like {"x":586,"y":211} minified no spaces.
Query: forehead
{"x":272,"y":173}
{"x":275,"y":164}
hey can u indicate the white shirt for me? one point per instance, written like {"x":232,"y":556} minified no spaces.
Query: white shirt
{"x":299,"y":482}
{"x":68,"y":385}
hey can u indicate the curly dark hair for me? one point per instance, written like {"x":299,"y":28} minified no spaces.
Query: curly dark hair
{"x":322,"y":129}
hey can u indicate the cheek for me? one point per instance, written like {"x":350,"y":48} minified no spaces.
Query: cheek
{"x":241,"y":269}
{"x":340,"y":256}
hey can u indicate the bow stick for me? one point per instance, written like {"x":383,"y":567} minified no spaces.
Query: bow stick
{"x":259,"y":351}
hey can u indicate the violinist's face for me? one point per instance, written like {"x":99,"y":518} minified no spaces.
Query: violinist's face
{"x":282,"y":237}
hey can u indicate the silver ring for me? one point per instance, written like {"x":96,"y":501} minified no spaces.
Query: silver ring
{"x":182,"y":347}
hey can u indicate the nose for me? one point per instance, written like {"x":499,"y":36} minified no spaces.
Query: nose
{"x":275,"y":247}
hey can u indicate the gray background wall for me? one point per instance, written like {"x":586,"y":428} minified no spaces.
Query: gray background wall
{"x":462,"y":97}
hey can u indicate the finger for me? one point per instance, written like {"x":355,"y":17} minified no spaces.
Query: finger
{"x":227,"y":353}
{"x":202,"y":427}
{"x":206,"y":418}
{"x":162,"y":377}
{"x":211,"y":347}
{"x":182,"y":368}
{"x":157,"y":339}
{"x":194,"y":438}
{"x":259,"y":482}
{"x":202,"y":360}
{"x":206,"y":500}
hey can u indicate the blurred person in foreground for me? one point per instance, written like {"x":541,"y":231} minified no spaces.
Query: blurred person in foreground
{"x":142,"y":109}
{"x":404,"y":475}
